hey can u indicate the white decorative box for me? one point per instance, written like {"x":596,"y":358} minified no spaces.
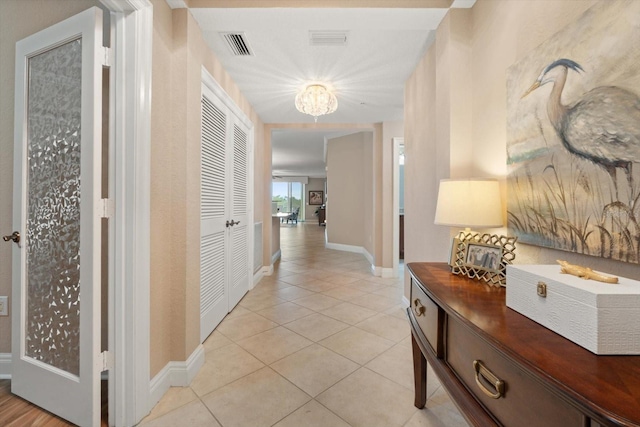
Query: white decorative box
{"x":604,"y":318}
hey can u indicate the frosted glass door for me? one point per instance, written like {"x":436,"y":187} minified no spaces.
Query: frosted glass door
{"x":56,"y":268}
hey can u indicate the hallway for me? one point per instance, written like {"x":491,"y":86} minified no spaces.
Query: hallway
{"x":321,"y":342}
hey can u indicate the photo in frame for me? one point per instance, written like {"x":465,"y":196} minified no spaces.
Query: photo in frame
{"x":482,"y":257}
{"x":316,"y":197}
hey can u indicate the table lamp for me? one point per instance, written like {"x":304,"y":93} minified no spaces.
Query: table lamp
{"x":469,"y":203}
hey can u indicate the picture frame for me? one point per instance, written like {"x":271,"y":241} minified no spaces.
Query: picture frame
{"x":316,"y":197}
{"x":482,"y":257}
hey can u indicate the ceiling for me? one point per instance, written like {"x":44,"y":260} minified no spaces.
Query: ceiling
{"x":367,"y":74}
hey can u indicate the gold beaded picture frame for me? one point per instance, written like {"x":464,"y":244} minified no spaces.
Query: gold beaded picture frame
{"x":483,"y":257}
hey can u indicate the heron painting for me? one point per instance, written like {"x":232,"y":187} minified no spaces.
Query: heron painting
{"x":573,"y":129}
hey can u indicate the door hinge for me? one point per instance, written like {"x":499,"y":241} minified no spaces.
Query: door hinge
{"x":106,"y":208}
{"x":107,"y":360}
{"x":107,"y":57}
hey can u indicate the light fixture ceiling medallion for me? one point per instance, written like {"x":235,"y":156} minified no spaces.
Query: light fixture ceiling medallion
{"x":316,"y":100}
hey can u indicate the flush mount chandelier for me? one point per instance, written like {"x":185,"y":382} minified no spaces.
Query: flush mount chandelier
{"x":316,"y":100}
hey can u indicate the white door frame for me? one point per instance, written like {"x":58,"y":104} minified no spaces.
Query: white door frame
{"x":396,"y":202}
{"x":129,"y":240}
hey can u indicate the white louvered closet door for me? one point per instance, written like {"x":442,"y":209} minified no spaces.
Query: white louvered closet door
{"x":239,"y":233}
{"x":225,"y":231}
{"x":214,"y":295}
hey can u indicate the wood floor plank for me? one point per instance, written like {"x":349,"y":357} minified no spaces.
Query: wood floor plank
{"x":17,"y":412}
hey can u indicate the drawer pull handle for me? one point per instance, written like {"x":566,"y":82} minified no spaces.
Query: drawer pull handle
{"x":487,"y":376}
{"x":419,"y":308}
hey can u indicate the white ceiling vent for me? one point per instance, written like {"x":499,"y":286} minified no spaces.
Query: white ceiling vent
{"x":328,"y":38}
{"x":238,"y":44}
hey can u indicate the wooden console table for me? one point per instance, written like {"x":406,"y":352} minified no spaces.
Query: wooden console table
{"x":501,"y":368}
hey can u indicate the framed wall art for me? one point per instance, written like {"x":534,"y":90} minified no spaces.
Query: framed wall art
{"x":316,"y":197}
{"x":573,"y":137}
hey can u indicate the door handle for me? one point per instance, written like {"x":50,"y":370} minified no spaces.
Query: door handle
{"x":15,"y":237}
{"x":234,"y":223}
{"x":228,"y":224}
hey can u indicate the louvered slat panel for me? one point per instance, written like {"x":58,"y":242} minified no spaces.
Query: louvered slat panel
{"x":211,"y":270}
{"x":239,"y":257}
{"x":239,"y":171}
{"x":213,"y":161}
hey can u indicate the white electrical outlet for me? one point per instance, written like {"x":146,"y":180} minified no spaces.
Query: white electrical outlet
{"x":4,"y":306}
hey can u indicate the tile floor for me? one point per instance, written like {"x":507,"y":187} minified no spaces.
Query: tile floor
{"x":321,"y":342}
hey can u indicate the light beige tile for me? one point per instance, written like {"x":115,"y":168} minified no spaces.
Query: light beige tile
{"x":215,"y":340}
{"x":293,"y":292}
{"x":237,"y":311}
{"x":389,"y":327}
{"x":396,"y":364}
{"x":193,"y":414}
{"x":314,"y":369}
{"x":243,"y":326}
{"x":349,"y":313}
{"x":344,"y":293}
{"x":341,"y":279}
{"x":318,"y":285}
{"x":399,"y":311}
{"x":259,"y":300}
{"x":357,"y":345}
{"x":173,"y":399}
{"x":274,"y":344}
{"x":285,"y":313}
{"x":312,"y":414}
{"x":392,"y":292}
{"x":272,"y":284}
{"x":365,"y":286}
{"x":223,"y":366}
{"x":316,"y":326}
{"x":438,"y":412}
{"x":366,"y":399}
{"x":258,"y":400}
{"x":374,"y":302}
{"x":297,"y":279}
{"x":317,"y":302}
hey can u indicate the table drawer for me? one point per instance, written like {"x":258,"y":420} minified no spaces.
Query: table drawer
{"x":429,"y":317}
{"x":522,"y":398}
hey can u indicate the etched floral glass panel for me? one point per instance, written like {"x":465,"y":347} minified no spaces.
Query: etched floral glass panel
{"x":53,"y":207}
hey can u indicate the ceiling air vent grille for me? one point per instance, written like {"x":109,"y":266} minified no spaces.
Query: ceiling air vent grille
{"x":238,"y":44}
{"x":327,"y":38}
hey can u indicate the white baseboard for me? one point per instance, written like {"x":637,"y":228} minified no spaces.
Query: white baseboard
{"x":5,"y":366}
{"x":405,"y":301}
{"x":267,"y":271}
{"x":344,"y":248}
{"x":275,"y":257}
{"x":175,"y":374}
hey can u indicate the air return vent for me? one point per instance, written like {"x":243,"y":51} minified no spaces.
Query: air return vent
{"x":238,"y":44}
{"x":328,"y":38}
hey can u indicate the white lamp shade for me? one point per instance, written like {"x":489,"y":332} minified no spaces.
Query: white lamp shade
{"x":469,"y":203}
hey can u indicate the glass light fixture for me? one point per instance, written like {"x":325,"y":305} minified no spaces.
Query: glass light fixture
{"x":316,"y":100}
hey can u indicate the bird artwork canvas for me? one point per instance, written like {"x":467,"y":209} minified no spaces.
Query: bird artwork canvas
{"x":573,"y":137}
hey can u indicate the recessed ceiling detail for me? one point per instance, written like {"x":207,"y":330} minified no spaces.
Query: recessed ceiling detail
{"x":328,"y":38}
{"x":238,"y":44}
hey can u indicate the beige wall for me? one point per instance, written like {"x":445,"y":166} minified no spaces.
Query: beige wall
{"x":349,"y":197}
{"x":18,"y":19}
{"x":178,"y":56}
{"x":275,"y":236}
{"x":455,"y":104}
